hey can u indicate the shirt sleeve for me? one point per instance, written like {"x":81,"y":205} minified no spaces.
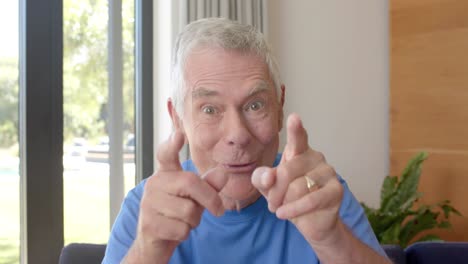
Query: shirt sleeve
{"x":124,"y":229}
{"x":353,"y":216}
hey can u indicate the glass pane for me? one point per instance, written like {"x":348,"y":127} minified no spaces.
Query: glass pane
{"x":9,"y":151}
{"x":86,"y":174}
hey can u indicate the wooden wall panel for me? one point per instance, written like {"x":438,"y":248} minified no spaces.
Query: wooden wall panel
{"x":429,"y":98}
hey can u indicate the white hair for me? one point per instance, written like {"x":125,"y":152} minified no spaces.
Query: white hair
{"x":222,"y":33}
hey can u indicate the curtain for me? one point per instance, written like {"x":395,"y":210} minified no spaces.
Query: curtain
{"x":251,"y":12}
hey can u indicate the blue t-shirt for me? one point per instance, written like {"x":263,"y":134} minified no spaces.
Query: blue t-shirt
{"x":253,"y":235}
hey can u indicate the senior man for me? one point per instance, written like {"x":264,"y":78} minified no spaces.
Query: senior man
{"x":237,"y":200}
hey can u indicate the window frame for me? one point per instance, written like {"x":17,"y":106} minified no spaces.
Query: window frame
{"x":41,"y":121}
{"x":41,"y":130}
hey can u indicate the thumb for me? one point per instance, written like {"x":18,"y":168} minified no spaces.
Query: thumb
{"x":168,"y":153}
{"x":296,"y":139}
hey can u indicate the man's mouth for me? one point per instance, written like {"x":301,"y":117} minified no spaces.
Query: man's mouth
{"x":240,"y":167}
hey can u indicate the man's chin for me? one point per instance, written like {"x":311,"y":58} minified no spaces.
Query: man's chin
{"x":235,"y":196}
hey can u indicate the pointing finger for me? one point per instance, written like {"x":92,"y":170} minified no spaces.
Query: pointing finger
{"x":263,"y":178}
{"x":296,"y":138}
{"x":168,"y":153}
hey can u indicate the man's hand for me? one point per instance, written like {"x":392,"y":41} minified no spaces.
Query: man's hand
{"x":172,"y":204}
{"x":314,"y":211}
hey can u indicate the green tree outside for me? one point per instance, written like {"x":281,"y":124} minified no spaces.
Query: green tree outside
{"x":8,"y":101}
{"x":85,"y":74}
{"x":85,"y":95}
{"x":85,"y":68}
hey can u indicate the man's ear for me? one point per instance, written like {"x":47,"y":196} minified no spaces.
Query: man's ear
{"x":281,"y":111}
{"x":176,"y":120}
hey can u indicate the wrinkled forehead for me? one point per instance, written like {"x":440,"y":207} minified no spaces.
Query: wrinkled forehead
{"x":207,"y":62}
{"x":206,"y":92}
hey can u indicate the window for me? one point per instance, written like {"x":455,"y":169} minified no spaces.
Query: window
{"x":9,"y":158}
{"x":87,"y":115}
{"x":84,"y":99}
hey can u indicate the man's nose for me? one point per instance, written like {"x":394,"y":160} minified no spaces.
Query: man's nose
{"x":236,"y":130}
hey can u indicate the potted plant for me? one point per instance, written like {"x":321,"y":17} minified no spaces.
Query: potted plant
{"x":398,"y":220}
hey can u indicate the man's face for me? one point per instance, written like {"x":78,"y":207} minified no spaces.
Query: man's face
{"x":232,"y":116}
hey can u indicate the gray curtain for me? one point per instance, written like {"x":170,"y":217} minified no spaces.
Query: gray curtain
{"x":251,"y":12}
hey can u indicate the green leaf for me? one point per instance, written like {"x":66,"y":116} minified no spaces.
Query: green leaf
{"x":444,"y":224}
{"x":408,"y":204}
{"x":388,"y":188}
{"x":384,"y":221}
{"x":414,"y":162}
{"x":455,"y":211}
{"x":429,"y":237}
{"x":424,"y":208}
{"x":417,"y":224}
{"x":390,"y":236}
{"x":408,"y":185}
{"x":449,"y":209}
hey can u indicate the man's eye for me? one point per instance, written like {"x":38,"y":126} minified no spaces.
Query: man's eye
{"x":208,"y":110}
{"x":255,"y":106}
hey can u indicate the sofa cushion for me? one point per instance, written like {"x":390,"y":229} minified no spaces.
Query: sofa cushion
{"x":82,"y":254}
{"x":437,"y":252}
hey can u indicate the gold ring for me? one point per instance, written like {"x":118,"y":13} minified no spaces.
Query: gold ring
{"x":310,"y":183}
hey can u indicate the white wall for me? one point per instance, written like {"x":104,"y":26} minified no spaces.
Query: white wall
{"x":333,"y":57}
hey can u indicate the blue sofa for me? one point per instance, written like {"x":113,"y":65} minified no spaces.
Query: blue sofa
{"x":429,"y":253}
{"x":418,"y":253}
